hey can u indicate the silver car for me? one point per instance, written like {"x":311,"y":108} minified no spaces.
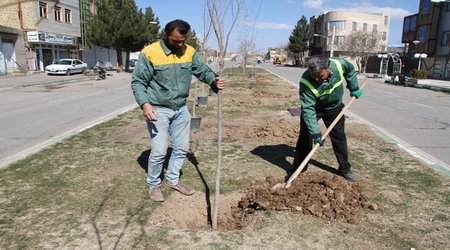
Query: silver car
{"x":66,"y":66}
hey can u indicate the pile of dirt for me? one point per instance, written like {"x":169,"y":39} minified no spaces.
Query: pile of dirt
{"x":319,"y":194}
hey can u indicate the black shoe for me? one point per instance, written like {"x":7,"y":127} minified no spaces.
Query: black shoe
{"x":348,"y":175}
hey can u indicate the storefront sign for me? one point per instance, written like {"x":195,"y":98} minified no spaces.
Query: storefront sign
{"x":51,"y":38}
{"x":32,"y":36}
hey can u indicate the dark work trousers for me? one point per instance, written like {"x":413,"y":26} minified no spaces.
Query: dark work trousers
{"x":337,"y":136}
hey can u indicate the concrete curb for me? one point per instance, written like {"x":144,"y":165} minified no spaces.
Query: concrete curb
{"x":429,"y":87}
{"x":422,"y":86}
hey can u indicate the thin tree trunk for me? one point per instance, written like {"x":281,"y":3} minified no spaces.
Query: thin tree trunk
{"x":218,"y":10}
{"x":119,"y":60}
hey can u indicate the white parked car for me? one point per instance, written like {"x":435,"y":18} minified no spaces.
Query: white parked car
{"x":66,"y":66}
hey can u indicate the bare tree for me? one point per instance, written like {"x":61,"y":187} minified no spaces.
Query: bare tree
{"x":246,"y":42}
{"x":360,"y":45}
{"x":207,"y":28}
{"x":218,"y":11}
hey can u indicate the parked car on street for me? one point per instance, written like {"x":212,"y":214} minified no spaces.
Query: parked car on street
{"x":66,"y":66}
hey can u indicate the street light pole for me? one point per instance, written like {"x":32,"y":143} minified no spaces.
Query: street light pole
{"x":332,"y":41}
{"x":420,"y":56}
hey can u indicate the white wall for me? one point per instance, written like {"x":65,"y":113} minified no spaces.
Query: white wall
{"x":108,"y":56}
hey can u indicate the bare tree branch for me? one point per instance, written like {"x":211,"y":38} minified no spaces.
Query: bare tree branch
{"x":360,"y":45}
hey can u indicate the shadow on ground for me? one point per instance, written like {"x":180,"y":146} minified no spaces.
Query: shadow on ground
{"x":277,"y":154}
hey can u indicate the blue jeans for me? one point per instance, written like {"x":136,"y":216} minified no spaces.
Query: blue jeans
{"x":173,"y":123}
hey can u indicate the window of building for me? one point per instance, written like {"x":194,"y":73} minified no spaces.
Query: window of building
{"x":58,"y":16}
{"x":445,"y":38}
{"x":384,"y":36}
{"x":375,"y":28}
{"x":354,"y":26}
{"x":67,"y":16}
{"x":43,"y":10}
{"x":386,"y":20}
{"x":339,"y":40}
{"x":365,"y":27}
{"x":412,"y":26}
{"x":423,"y":33}
{"x":426,"y":7}
{"x":338,"y":25}
{"x":406,"y":25}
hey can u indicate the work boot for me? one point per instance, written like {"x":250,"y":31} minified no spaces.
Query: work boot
{"x":154,"y":193}
{"x":181,"y":187}
{"x":348,"y":175}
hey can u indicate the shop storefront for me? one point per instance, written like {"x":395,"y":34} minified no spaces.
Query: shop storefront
{"x":12,"y":58}
{"x":44,"y":48}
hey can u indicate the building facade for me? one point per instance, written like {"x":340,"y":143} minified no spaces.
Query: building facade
{"x":428,"y":33}
{"x":56,"y":32}
{"x":35,"y":33}
{"x":332,"y":28}
{"x":13,"y":56}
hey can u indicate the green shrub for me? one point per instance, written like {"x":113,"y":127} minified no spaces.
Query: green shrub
{"x":419,"y":74}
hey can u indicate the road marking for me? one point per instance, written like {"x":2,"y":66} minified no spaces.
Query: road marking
{"x":294,"y":84}
{"x":390,"y":93}
{"x":425,"y":157}
{"x":423,"y":105}
{"x":6,"y":88}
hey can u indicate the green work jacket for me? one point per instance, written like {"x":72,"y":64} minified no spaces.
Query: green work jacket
{"x":325,"y":96}
{"x":163,"y":78}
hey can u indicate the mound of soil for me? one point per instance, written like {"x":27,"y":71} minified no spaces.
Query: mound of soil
{"x":319,"y":194}
{"x":316,"y":193}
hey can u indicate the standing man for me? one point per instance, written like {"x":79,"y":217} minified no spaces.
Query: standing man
{"x":321,"y":91}
{"x":160,"y":83}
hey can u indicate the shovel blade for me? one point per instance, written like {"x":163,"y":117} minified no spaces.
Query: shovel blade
{"x":278,"y":186}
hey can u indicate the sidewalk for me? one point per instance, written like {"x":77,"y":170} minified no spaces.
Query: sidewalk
{"x":431,"y":84}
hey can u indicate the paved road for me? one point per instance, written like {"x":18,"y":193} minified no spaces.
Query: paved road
{"x":418,"y":120}
{"x":39,"y":110}
{"x":38,"y":115}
